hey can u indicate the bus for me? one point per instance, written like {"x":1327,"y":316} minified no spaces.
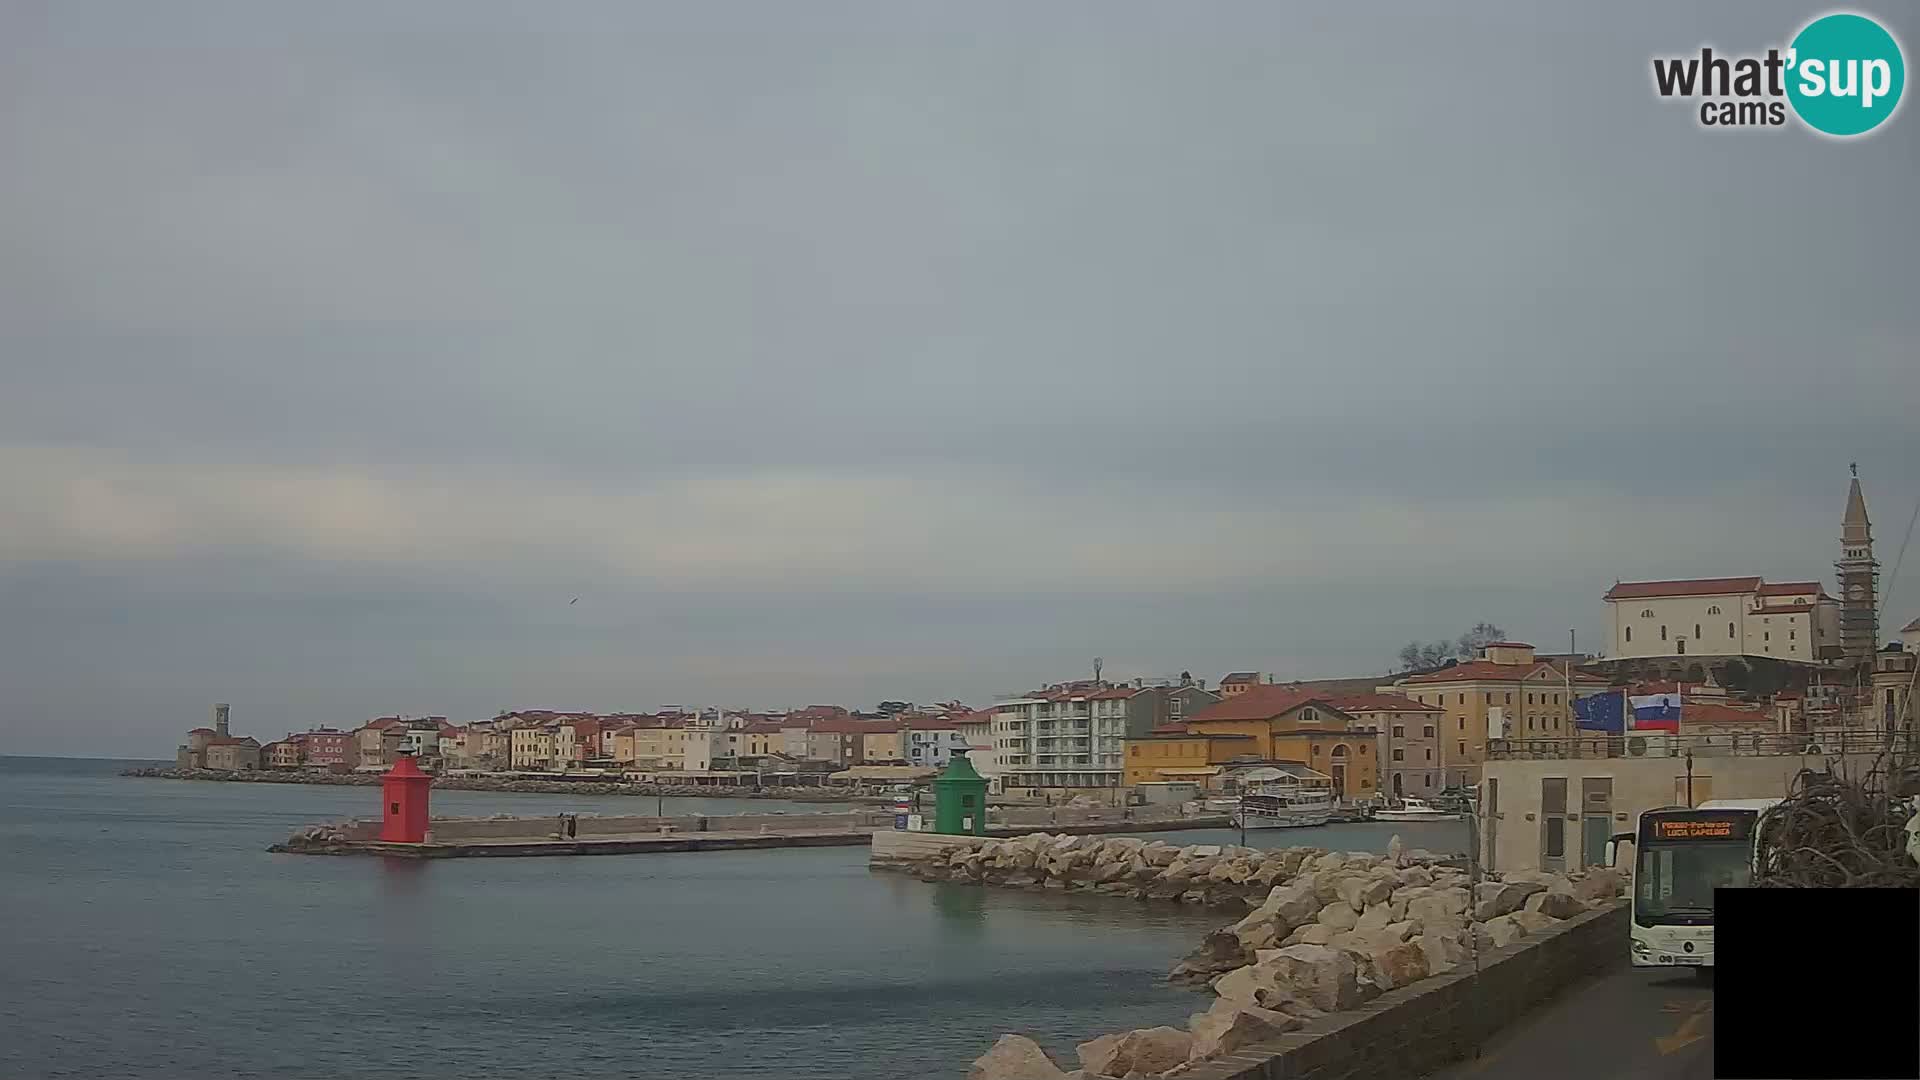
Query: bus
{"x":1681,"y":855}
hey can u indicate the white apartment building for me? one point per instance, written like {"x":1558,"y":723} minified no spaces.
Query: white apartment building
{"x":1723,"y":617}
{"x":1066,"y":738}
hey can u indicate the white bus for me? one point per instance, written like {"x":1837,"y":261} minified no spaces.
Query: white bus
{"x":1680,"y":856}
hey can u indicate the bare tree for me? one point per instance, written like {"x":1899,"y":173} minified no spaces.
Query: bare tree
{"x":1418,"y":655}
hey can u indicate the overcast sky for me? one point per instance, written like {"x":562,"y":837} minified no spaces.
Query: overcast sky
{"x":840,"y":352}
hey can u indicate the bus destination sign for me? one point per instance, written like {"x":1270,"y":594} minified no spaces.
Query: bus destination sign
{"x":1701,"y":828}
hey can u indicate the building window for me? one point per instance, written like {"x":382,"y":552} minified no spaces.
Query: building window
{"x":1509,"y":699}
{"x":1427,"y":732}
{"x":1429,"y":753}
{"x":1463,"y":748}
{"x":1729,"y":629}
{"x":1696,"y":631}
{"x":1399,"y":732}
{"x":1463,"y":723}
{"x":1714,"y":610}
{"x":1766,"y":637}
{"x":1663,"y":632}
{"x":1646,"y":613}
{"x":1399,"y":755}
{"x":1792,"y":635}
{"x":1463,"y":699}
{"x":1629,"y":633}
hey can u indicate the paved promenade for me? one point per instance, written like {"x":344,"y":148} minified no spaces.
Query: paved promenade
{"x":1628,"y":1024}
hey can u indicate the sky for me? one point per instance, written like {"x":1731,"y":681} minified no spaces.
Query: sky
{"x":853,"y":351}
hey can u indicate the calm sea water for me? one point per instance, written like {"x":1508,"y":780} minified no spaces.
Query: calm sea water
{"x":144,"y":932}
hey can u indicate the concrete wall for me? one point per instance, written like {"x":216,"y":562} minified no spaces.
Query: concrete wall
{"x":1512,"y":833}
{"x":1420,"y":1028}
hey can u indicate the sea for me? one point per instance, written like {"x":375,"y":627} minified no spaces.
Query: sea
{"x":145,"y":931}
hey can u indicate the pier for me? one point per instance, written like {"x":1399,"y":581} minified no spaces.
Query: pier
{"x":583,"y":834}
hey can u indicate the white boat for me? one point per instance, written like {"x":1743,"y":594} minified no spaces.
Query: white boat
{"x":1286,"y":804}
{"x":1411,"y":809}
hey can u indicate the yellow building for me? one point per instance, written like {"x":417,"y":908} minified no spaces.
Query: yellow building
{"x":1273,"y":723}
{"x":532,"y":747}
{"x":1505,"y":691}
{"x":880,"y":742}
{"x":659,"y":747}
{"x":1170,"y":757}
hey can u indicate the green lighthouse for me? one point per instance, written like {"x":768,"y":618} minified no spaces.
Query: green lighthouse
{"x":960,"y":800}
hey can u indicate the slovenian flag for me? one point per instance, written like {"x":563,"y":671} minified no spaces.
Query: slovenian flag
{"x":1601,"y":712}
{"x":1656,"y":712}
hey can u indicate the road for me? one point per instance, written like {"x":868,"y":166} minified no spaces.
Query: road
{"x":1629,"y":1024}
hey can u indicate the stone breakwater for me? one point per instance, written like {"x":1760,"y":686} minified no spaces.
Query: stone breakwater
{"x":492,"y":783}
{"x":1327,"y":932}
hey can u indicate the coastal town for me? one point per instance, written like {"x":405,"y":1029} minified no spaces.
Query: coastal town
{"x":1746,"y":670}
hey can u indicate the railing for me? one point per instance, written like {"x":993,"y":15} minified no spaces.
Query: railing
{"x":1820,"y":743}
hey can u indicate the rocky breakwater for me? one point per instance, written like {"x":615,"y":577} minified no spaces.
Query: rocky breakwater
{"x":314,"y":840}
{"x":1329,"y":932}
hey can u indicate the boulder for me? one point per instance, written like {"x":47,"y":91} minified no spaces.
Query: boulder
{"x":1361,"y":891}
{"x":1332,"y":860}
{"x":1159,"y":853}
{"x":1414,"y":876}
{"x":1312,"y":934}
{"x":1438,"y":907}
{"x":1493,"y":899}
{"x":1533,"y":922}
{"x":1147,"y":1050}
{"x":1598,"y":885}
{"x":1554,"y":904}
{"x":1503,"y":930}
{"x":1219,"y":951}
{"x":1292,"y":905}
{"x":1015,"y":1057}
{"x":1397,"y":965}
{"x":1328,"y":978}
{"x":1338,"y":916}
{"x":1445,"y":951}
{"x":1374,"y":919}
{"x":1222,"y":1031}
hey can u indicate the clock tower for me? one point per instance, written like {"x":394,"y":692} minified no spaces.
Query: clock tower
{"x":1859,"y":578}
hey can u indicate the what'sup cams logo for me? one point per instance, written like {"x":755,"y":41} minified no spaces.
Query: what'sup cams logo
{"x":1842,"y":75}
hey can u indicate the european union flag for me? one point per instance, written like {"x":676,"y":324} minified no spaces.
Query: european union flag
{"x":1601,"y":712}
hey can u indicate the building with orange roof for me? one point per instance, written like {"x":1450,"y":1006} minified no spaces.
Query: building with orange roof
{"x":1297,"y":725}
{"x":1406,"y":737}
{"x":1505,"y":693}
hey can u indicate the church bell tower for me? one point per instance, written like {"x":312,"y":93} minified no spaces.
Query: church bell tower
{"x":1859,"y":579}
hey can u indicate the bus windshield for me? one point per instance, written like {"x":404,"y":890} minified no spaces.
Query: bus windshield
{"x":1674,"y":883}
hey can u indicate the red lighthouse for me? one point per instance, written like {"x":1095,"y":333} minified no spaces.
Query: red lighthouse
{"x":403,"y":795}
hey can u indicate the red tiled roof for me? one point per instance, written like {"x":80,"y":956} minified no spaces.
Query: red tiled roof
{"x":1784,"y":609}
{"x":1646,"y":590}
{"x":1790,"y":588}
{"x":203,"y":731}
{"x":1259,"y":702}
{"x":763,"y":727}
{"x":1117,"y":693}
{"x":932,"y":723}
{"x":1706,"y":712}
{"x":1381,"y":703}
{"x":1239,"y":677}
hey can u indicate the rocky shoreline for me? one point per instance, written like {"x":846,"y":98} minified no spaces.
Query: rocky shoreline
{"x":489,"y":783}
{"x":1327,"y":932}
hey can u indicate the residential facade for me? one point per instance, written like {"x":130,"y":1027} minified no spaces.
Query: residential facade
{"x":1296,"y":726}
{"x":1406,"y":740}
{"x":1069,"y":737}
{"x":1504,"y":694}
{"x":933,"y":740}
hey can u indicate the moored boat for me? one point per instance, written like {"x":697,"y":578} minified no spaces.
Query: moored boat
{"x":1411,"y":809}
